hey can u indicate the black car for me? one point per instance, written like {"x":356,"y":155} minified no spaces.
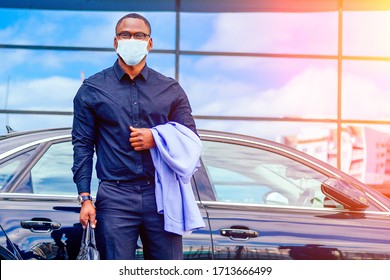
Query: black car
{"x":259,"y":200}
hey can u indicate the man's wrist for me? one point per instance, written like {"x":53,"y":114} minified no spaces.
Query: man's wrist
{"x":84,"y":197}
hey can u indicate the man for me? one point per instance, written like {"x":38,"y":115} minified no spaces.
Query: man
{"x":113,"y":113}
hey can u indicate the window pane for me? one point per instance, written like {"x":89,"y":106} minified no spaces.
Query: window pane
{"x":163,"y":63}
{"x":12,"y":167}
{"x":37,"y":78}
{"x":52,"y":173}
{"x":266,"y":87}
{"x":76,"y":28}
{"x":366,"y":33}
{"x":247,"y":175}
{"x":295,"y":33}
{"x":366,"y":87}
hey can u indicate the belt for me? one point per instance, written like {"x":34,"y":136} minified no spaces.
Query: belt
{"x":140,"y":181}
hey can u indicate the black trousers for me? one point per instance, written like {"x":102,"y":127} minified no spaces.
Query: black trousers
{"x":125,"y":212}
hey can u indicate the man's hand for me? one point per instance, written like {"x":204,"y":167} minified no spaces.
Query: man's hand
{"x":141,"y":139}
{"x":88,"y":213}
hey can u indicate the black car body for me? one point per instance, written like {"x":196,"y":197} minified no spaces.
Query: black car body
{"x":259,"y":200}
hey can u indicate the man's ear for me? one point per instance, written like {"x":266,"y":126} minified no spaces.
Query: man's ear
{"x":150,"y":44}
{"x":115,"y":43}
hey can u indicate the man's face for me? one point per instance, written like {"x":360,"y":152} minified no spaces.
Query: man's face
{"x":132,"y":26}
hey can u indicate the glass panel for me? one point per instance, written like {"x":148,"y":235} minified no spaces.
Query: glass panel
{"x":266,"y":87}
{"x":163,"y":63}
{"x":41,"y":78}
{"x":366,"y":87}
{"x":12,"y":167}
{"x":247,"y":175}
{"x":76,"y":28}
{"x":366,"y":33}
{"x":294,"y":33}
{"x":52,"y":173}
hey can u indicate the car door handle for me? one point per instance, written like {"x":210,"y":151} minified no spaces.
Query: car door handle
{"x":239,"y":233}
{"x":36,"y":225}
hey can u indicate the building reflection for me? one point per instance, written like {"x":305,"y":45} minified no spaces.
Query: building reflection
{"x":365,"y":152}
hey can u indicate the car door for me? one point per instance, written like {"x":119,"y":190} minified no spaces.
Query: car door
{"x":39,"y":212}
{"x":264,"y":204}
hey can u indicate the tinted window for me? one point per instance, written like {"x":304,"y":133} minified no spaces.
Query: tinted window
{"x":52,"y":173}
{"x":11,"y":167}
{"x":243,"y":174}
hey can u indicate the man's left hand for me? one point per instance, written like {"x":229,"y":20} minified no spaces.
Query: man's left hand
{"x":141,"y":139}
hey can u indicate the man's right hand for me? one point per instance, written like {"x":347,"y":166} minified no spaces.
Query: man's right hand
{"x":88,"y":213}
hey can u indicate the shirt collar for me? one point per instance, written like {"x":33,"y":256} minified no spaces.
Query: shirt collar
{"x":120,"y":73}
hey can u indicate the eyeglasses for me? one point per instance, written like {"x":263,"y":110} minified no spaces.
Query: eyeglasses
{"x":136,"y":35}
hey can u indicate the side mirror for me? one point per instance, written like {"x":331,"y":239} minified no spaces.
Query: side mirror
{"x":346,"y":193}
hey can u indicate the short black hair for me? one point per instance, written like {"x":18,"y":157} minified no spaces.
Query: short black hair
{"x":134,"y":15}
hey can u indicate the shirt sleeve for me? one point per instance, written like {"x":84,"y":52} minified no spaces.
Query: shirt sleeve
{"x":83,"y":139}
{"x":182,"y":112}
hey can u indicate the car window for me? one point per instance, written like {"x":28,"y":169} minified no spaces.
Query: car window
{"x":242,"y":174}
{"x":11,"y":167}
{"x":52,"y":173}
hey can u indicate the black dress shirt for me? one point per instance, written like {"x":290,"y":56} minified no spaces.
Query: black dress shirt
{"x":105,"y":106}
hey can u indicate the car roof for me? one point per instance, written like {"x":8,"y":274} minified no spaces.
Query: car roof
{"x":16,"y":139}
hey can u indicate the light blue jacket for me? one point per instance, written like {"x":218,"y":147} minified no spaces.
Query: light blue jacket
{"x":176,"y":158}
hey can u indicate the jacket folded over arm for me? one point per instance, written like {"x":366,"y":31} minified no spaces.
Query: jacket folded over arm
{"x":176,"y":157}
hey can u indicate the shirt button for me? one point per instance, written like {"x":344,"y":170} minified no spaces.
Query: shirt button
{"x":135,"y":102}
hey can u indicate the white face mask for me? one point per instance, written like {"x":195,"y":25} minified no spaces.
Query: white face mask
{"x":132,"y":51}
